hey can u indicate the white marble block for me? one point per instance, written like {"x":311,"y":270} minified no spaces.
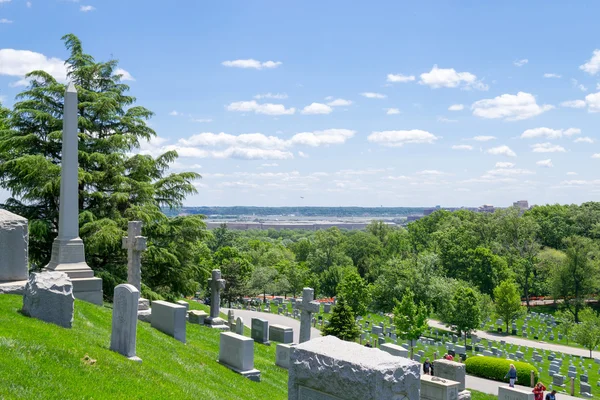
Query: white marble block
{"x":508,"y":393}
{"x":260,"y":330}
{"x":282,"y":354}
{"x":332,"y":369}
{"x":169,"y":318}
{"x":451,"y":370}
{"x":436,"y":388}
{"x":197,"y":316}
{"x":14,"y":242}
{"x":281,"y":333}
{"x":124,"y":321}
{"x":394,"y":350}
{"x":48,"y":296}
{"x":236,"y":352}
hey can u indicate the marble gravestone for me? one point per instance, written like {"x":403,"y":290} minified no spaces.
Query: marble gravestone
{"x":260,"y":331}
{"x":451,"y":370}
{"x":216,"y":286}
{"x":68,"y":254}
{"x":135,"y":244}
{"x":231,"y":320}
{"x":48,"y":296}
{"x":394,"y":349}
{"x":331,"y":369}
{"x":282,"y":355}
{"x":124,"y":321}
{"x":169,"y":318}
{"x":236,"y":352}
{"x":436,"y":388}
{"x":307,"y":308}
{"x":239,"y":326}
{"x":281,"y":333}
{"x":14,"y":246}
{"x":508,"y":393}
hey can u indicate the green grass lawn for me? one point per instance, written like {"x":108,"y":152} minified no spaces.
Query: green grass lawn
{"x":43,"y":361}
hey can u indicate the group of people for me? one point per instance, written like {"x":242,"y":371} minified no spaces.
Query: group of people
{"x":538,"y":390}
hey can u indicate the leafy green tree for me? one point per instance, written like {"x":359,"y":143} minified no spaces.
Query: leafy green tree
{"x":263,"y":280}
{"x":342,"y":323}
{"x":566,"y":322}
{"x":486,"y":306}
{"x":587,"y":332}
{"x":236,"y":270}
{"x":507,"y":302}
{"x":222,"y":237}
{"x":549,"y":263}
{"x":465,"y":311}
{"x":410,"y":319}
{"x":364,"y":249}
{"x":356,"y":292}
{"x":380,"y":230}
{"x":115,"y":185}
{"x":297,"y":275}
{"x":328,"y":251}
{"x":485,"y":269}
{"x":577,"y":277}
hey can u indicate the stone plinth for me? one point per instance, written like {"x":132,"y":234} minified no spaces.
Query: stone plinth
{"x":49,"y":297}
{"x":260,"y":330}
{"x":14,"y":245}
{"x":394,"y":350}
{"x":508,"y":393}
{"x":236,"y":352}
{"x":197,"y":317}
{"x":169,"y":318}
{"x":436,"y":388}
{"x":332,"y":369}
{"x":124,"y":321}
{"x":281,"y":334}
{"x":282,"y":355}
{"x":450,"y":370}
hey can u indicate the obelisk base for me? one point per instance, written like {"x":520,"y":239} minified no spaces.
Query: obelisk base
{"x":216,"y":323}
{"x":68,"y":256}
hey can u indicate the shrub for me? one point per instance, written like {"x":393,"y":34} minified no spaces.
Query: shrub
{"x":496,"y":369}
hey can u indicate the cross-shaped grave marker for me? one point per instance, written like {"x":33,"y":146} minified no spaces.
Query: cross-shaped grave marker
{"x":217,"y":284}
{"x":308,"y":307}
{"x":135,"y":243}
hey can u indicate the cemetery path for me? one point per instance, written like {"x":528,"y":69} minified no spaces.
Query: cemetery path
{"x":525,"y":342}
{"x":491,"y":387}
{"x":273,"y":319}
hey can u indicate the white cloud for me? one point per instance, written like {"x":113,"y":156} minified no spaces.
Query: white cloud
{"x":547,"y":148}
{"x":400,"y":78}
{"x":325,"y":137}
{"x":456,"y":107}
{"x":593,"y":65}
{"x":597,"y":155}
{"x":5,"y":21}
{"x":462,"y":147}
{"x":545,"y":163}
{"x":174,"y":113}
{"x":278,"y":96}
{"x":509,"y":107}
{"x":444,"y":119}
{"x":392,"y":111}
{"x":584,"y":140}
{"x":270,"y":165}
{"x":125,"y":76}
{"x":266,"y":108}
{"x":449,"y":78}
{"x":201,"y":120}
{"x":509,"y":172}
{"x":251,"y":63}
{"x":573,"y":104}
{"x":87,"y":8}
{"x":572,"y":173}
{"x":549,"y":133}
{"x":520,"y":63}
{"x":504,"y":164}
{"x":209,"y":139}
{"x":339,"y":103}
{"x":399,"y":138}
{"x":317,"y":108}
{"x":28,"y":4}
{"x":502,"y":151}
{"x":484,"y":138}
{"x":371,"y":95}
{"x":593,"y":102}
{"x":552,"y":76}
{"x":18,"y":63}
{"x":2,"y":99}
{"x":303,"y":154}
{"x":432,"y":172}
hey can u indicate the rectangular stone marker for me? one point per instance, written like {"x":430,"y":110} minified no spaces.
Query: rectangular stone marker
{"x":14,"y":247}
{"x":394,"y":350}
{"x":558,"y":380}
{"x":281,"y":333}
{"x":236,"y":352}
{"x":326,"y":308}
{"x":376,"y":330}
{"x":124,"y":321}
{"x":282,"y":355}
{"x":260,"y":330}
{"x":585,"y":388}
{"x":434,"y":388}
{"x":197,"y":317}
{"x":508,"y":393}
{"x":169,"y":318}
{"x":327,"y":368}
{"x":239,"y":326}
{"x":451,"y":370}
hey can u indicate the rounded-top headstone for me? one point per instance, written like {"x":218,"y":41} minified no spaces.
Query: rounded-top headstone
{"x":14,"y":243}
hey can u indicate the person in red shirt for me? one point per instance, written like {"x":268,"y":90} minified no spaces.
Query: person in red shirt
{"x":538,"y":391}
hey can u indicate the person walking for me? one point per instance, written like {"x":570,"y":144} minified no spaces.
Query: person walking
{"x":427,"y":367}
{"x":538,"y":391}
{"x":551,"y":395}
{"x":511,"y":375}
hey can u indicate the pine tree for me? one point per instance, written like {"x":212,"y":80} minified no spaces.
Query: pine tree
{"x":342,"y":323}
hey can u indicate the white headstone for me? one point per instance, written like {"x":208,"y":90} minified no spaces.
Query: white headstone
{"x":68,"y":253}
{"x":281,"y":334}
{"x":436,"y":388}
{"x":135,"y":244}
{"x":14,"y":245}
{"x":48,"y":296}
{"x":282,"y":355}
{"x":451,"y":370}
{"x":236,"y":352}
{"x":239,"y":326}
{"x":169,"y":318}
{"x":124,"y":321}
{"x":394,"y":349}
{"x":307,"y":307}
{"x":260,"y":330}
{"x":508,"y":393}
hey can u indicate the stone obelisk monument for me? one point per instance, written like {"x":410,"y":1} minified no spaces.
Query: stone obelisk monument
{"x":68,"y":254}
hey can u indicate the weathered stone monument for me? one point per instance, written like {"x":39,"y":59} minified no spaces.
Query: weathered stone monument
{"x":135,"y":244}
{"x":169,"y":318}
{"x":281,"y":333}
{"x":307,"y":308}
{"x":436,"y":388}
{"x":68,"y":253}
{"x":48,"y":296}
{"x":216,"y":285}
{"x":236,"y":352}
{"x":332,"y":369}
{"x":196,"y":316}
{"x":451,"y":370}
{"x":239,"y":326}
{"x":394,"y":349}
{"x":282,"y":355}
{"x":260,"y":331}
{"x":508,"y":393}
{"x":231,"y":320}
{"x":14,"y":246}
{"x":124,"y":321}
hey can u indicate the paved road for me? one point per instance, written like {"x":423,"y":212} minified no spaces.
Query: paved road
{"x":273,"y":319}
{"x":525,"y":342}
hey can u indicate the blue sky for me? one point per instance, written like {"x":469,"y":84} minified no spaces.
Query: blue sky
{"x":338,"y":104}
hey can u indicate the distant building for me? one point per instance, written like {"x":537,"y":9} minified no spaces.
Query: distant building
{"x":523,"y":205}
{"x":412,"y":218}
{"x":487,"y":208}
